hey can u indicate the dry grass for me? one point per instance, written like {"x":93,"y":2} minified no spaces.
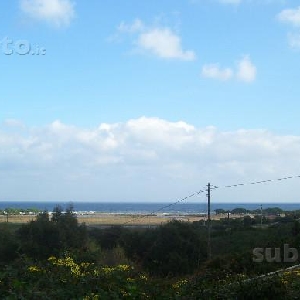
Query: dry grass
{"x":117,"y":219}
{"x":18,"y":219}
{"x":109,"y":219}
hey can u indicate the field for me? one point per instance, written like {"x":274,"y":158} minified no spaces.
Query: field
{"x":118,"y":219}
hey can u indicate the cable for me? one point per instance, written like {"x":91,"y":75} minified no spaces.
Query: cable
{"x":213,"y":187}
{"x":164,"y":207}
{"x":255,"y":182}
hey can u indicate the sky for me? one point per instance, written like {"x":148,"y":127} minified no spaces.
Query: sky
{"x":149,"y":100}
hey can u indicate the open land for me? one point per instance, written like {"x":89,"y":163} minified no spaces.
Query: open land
{"x":105,"y":219}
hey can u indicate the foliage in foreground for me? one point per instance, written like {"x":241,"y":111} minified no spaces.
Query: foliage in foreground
{"x":65,"y":278}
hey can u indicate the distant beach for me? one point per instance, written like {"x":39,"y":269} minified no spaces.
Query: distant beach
{"x":132,"y":208}
{"x":135,"y":214}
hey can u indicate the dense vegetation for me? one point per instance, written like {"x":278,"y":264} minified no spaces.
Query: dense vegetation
{"x":56,"y":258}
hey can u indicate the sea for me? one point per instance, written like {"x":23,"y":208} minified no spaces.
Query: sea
{"x":143,"y":207}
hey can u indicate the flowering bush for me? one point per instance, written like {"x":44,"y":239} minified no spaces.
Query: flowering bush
{"x":66,"y":278}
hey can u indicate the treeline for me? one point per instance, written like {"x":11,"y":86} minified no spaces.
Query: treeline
{"x":241,"y":210}
{"x":19,"y":211}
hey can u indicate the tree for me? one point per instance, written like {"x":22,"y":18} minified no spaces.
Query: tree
{"x":8,"y":244}
{"x":43,"y":238}
{"x":220,"y":211}
{"x":296,"y":228}
{"x":108,"y":238}
{"x":171,"y":249}
{"x":57,"y":212}
{"x":39,"y":239}
{"x":248,"y":221}
{"x":239,"y":210}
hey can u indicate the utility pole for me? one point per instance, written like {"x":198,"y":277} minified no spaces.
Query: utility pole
{"x":208,"y":223}
{"x":261,"y":215}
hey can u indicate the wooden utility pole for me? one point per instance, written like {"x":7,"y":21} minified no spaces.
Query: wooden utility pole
{"x":208,"y":223}
{"x":261,"y":215}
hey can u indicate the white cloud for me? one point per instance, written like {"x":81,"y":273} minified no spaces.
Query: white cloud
{"x":290,"y":16}
{"x":213,"y":71}
{"x":55,"y":12}
{"x":246,"y":70}
{"x":159,"y":41}
{"x":141,"y":159}
{"x":164,"y":43}
{"x":136,"y":26}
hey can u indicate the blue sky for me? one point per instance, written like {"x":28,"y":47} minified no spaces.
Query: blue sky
{"x":148,"y":100}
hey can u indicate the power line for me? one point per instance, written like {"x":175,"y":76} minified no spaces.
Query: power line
{"x":255,"y":182}
{"x":164,"y":207}
{"x":212,"y":187}
{"x":207,"y":189}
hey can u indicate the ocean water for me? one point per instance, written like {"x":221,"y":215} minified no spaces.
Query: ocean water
{"x":142,"y":207}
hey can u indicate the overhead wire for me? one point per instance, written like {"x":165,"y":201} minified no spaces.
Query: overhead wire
{"x":163,"y":207}
{"x":256,"y":182}
{"x":213,"y":187}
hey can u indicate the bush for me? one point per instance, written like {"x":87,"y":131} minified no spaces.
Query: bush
{"x":169,"y":250}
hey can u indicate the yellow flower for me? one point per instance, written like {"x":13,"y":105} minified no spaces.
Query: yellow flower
{"x":107,"y":270}
{"x":34,"y":269}
{"x":180,"y":283}
{"x":52,"y":258}
{"x":124,"y":267}
{"x":85,"y":265}
{"x":143,"y":277}
{"x":91,"y":297}
{"x":75,"y":269}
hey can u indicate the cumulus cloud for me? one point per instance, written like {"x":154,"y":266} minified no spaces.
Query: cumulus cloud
{"x":162,"y":42}
{"x":245,"y":71}
{"x":290,"y":16}
{"x":141,"y":159}
{"x":55,"y":12}
{"x":215,"y":72}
